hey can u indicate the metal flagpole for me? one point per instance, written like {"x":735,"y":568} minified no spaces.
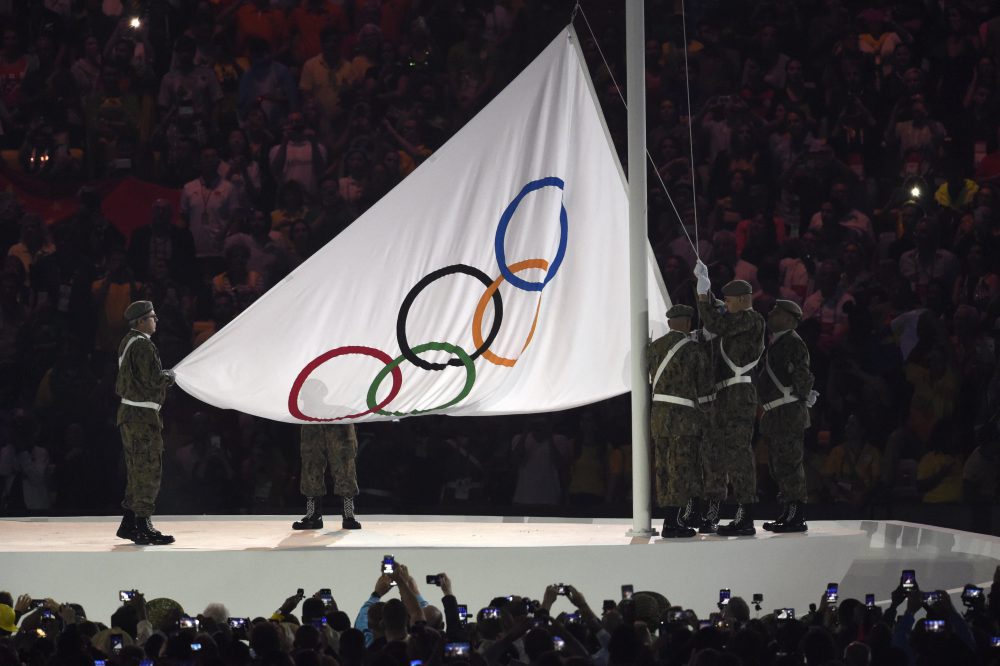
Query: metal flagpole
{"x":635,"y":42}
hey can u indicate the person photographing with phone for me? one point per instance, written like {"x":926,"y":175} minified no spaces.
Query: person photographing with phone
{"x":142,"y":386}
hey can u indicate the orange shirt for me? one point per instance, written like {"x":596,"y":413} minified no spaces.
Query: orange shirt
{"x":268,"y":24}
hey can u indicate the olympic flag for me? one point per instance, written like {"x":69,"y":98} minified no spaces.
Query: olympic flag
{"x":493,"y":280}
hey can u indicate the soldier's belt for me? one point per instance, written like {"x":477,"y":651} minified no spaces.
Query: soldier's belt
{"x":144,"y":405}
{"x":785,"y":400}
{"x":673,"y":400}
{"x":732,"y":381}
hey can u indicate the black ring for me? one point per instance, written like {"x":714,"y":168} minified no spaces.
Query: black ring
{"x":404,"y":311}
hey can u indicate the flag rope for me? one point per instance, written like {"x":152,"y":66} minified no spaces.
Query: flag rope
{"x":694,"y":202}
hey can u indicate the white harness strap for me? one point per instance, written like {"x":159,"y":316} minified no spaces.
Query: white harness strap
{"x":739,"y":371}
{"x":786,"y":391}
{"x":133,"y":403}
{"x":663,"y":397}
{"x":125,"y":351}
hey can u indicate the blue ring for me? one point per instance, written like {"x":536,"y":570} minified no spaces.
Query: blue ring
{"x":508,"y":213}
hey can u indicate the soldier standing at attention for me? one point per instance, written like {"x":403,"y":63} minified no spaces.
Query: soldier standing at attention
{"x":786,"y":394}
{"x":336,"y":446}
{"x":142,"y":385}
{"x":679,"y":371}
{"x":738,"y":343}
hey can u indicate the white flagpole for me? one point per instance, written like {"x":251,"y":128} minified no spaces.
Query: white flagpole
{"x":635,"y":42}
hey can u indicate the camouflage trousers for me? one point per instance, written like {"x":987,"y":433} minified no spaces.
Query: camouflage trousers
{"x":785,"y":460}
{"x":678,"y":469}
{"x":333,"y":446}
{"x":143,"y":445}
{"x":728,"y":456}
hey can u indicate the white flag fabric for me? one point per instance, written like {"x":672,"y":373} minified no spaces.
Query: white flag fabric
{"x":493,"y":280}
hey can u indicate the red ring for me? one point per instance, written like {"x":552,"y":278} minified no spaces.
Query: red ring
{"x":293,"y":395}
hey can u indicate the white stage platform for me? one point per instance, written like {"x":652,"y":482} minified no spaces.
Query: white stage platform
{"x":252,"y":563}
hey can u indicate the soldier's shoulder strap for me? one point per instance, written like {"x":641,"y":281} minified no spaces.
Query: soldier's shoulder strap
{"x":676,"y":347}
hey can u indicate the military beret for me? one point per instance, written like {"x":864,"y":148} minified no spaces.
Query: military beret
{"x":678,"y":311}
{"x":137,"y":310}
{"x":737,"y":288}
{"x":791,"y":307}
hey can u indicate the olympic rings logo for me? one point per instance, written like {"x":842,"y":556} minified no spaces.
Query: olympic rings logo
{"x":460,"y":357}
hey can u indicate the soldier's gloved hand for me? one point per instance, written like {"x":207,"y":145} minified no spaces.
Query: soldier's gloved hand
{"x":701,"y":273}
{"x":171,"y":375}
{"x":811,"y":398}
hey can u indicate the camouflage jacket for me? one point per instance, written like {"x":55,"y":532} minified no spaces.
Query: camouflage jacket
{"x":685,"y":376}
{"x":140,"y":379}
{"x":740,"y":336}
{"x":788,"y":359}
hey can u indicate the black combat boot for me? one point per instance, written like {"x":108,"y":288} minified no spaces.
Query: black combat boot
{"x":313,"y":520}
{"x":673,"y":525}
{"x":127,"y":528}
{"x":794,"y":521}
{"x":709,"y":522}
{"x":146,"y":535}
{"x":349,"y":522}
{"x":769,"y":526}
{"x":741,"y":525}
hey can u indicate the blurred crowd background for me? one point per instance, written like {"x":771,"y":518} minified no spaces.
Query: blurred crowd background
{"x":846,"y":156}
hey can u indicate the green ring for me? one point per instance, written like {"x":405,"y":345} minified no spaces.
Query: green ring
{"x":470,"y":378}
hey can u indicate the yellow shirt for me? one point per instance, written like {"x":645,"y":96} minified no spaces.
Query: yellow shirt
{"x":948,"y":489}
{"x":852,"y":469}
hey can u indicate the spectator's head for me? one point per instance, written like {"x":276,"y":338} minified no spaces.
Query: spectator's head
{"x":223,"y":308}
{"x":208,"y":164}
{"x":217,"y":612}
{"x":817,"y":646}
{"x":724,"y":243}
{"x":11,"y":43}
{"x":265,"y":640}
{"x":828,"y":277}
{"x":537,"y":642}
{"x":857,"y":653}
{"x":161,"y":214}
{"x":237,"y":258}
{"x":329,"y":40}
{"x":394,"y":619}
{"x":370,"y":40}
{"x":307,"y":636}
{"x":352,"y":647}
{"x":7,"y":626}
{"x":312,"y":609}
{"x":184,"y":52}
{"x":292,"y":195}
{"x":737,"y":611}
{"x":260,"y":51}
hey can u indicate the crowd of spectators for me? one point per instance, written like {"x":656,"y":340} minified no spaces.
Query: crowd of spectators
{"x":846,"y":156}
{"x":644,"y":629}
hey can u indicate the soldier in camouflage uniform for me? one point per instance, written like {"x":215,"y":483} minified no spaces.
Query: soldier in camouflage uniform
{"x":142,"y":385}
{"x":336,"y":446}
{"x":785,"y":385}
{"x":737,"y":333}
{"x":679,"y":371}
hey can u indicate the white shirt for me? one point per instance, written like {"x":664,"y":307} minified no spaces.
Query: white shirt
{"x":208,"y":210}
{"x":299,"y":163}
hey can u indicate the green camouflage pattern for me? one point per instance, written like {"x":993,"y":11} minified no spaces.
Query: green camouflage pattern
{"x":143,"y":446}
{"x":686,"y":376}
{"x":678,"y":469}
{"x":328,"y":445}
{"x":785,"y":426}
{"x":141,"y":379}
{"x":789,"y":360}
{"x":728,"y":458}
